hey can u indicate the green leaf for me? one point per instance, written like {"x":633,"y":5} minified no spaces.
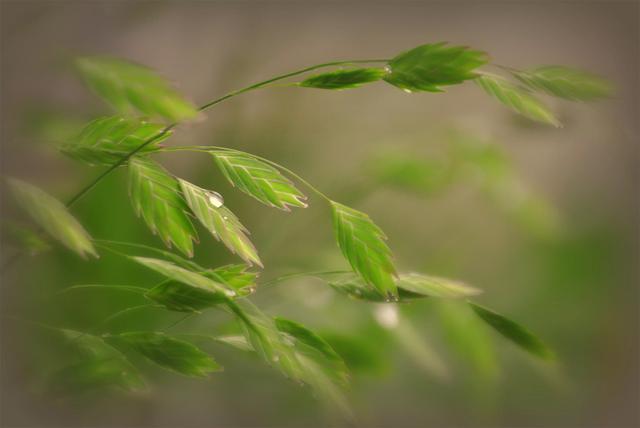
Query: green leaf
{"x":168,"y":352}
{"x":180,"y":297}
{"x":100,"y":366}
{"x":295,"y":362}
{"x":363,"y":245}
{"x":516,"y":98}
{"x":106,"y":140}
{"x":51,"y":214}
{"x":344,"y":79}
{"x":513,"y":331}
{"x":186,"y":291}
{"x":258,"y":179}
{"x":433,"y":286}
{"x":128,"y":86}
{"x":220,"y":221}
{"x":355,"y":287}
{"x":428,"y":67}
{"x":564,"y":82}
{"x":156,"y":197}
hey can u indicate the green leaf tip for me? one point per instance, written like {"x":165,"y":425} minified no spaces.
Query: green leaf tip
{"x":130,"y":87}
{"x":431,"y":66}
{"x":106,"y":140}
{"x":52,"y":216}
{"x":363,"y":244}
{"x":513,"y":331}
{"x":344,"y":79}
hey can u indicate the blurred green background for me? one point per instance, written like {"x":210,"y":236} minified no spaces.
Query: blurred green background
{"x":543,"y":219}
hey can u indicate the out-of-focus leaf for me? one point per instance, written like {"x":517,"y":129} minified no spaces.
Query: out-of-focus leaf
{"x":186,"y":291}
{"x":168,"y":352}
{"x":433,"y":286}
{"x":565,"y":82}
{"x":308,"y":337}
{"x":468,"y":337}
{"x":294,"y":362}
{"x":220,"y":221}
{"x":128,"y":86}
{"x":26,"y":238}
{"x":313,"y":348}
{"x":344,"y":79}
{"x":363,"y":245}
{"x":428,"y":67}
{"x":513,"y":331}
{"x":100,"y":366}
{"x":407,"y":172}
{"x":516,"y":98}
{"x":258,"y":179}
{"x":106,"y":140}
{"x":410,"y":286}
{"x":156,"y":197}
{"x":360,"y":352}
{"x":95,"y":374}
{"x":236,"y":276}
{"x":53,"y":217}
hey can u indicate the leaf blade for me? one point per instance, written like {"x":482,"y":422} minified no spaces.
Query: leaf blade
{"x":220,"y":222}
{"x":258,"y":180}
{"x":128,"y":86}
{"x":343,"y":79}
{"x":156,"y":197}
{"x":168,"y":352}
{"x":430,"y":66}
{"x":363,"y":244}
{"x":106,"y":140}
{"x":565,"y":82}
{"x":513,"y":331}
{"x":517,"y":99}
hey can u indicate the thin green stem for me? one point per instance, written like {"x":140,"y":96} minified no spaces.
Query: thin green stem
{"x":129,"y":288}
{"x":180,"y":321}
{"x":168,"y":128}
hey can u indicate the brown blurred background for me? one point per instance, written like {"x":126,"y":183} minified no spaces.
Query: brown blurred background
{"x":578,"y":289}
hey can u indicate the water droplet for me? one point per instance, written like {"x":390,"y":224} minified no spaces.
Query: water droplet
{"x":276,"y":358}
{"x":216,"y":199}
{"x":225,"y":217}
{"x":387,"y":68}
{"x":408,"y":91}
{"x":230,"y":293}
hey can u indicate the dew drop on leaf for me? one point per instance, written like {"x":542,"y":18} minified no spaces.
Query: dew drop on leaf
{"x":215,"y":199}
